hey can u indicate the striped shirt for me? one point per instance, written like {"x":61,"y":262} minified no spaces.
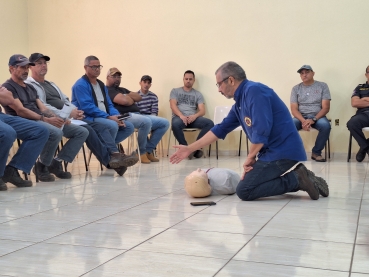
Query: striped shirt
{"x":148,"y":104}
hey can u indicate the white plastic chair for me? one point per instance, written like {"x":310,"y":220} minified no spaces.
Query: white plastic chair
{"x":184,"y":130}
{"x":219,"y":114}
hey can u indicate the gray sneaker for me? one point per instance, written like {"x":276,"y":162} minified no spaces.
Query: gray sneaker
{"x":319,"y":183}
{"x":305,"y":183}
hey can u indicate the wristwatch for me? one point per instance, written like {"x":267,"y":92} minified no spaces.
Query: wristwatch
{"x":314,"y":119}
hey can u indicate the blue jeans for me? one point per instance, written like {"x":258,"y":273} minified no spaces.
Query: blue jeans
{"x":118,"y":133}
{"x":33,"y":136}
{"x":77,"y":136}
{"x":202,"y":123}
{"x":146,"y":124}
{"x":100,"y":141}
{"x":265,"y":180}
{"x":324,"y":128}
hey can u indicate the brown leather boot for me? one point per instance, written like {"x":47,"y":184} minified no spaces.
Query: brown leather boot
{"x":151,"y":157}
{"x":144,"y":159}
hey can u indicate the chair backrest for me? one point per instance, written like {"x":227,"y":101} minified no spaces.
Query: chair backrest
{"x":220,"y":113}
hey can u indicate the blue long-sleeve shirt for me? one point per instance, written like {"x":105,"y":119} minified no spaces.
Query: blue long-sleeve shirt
{"x":265,"y":119}
{"x":83,"y":99}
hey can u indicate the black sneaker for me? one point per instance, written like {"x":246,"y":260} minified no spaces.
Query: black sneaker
{"x":319,"y":183}
{"x":43,"y":173}
{"x":56,"y":168}
{"x":11,"y":175}
{"x":2,"y":185}
{"x":190,"y":157}
{"x":305,"y":183}
{"x":121,"y":170}
{"x":198,"y":154}
{"x":360,"y":156}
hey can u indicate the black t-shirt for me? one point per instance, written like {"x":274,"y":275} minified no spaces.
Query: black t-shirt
{"x":114,"y":91}
{"x":52,"y":95}
{"x":27,"y":95}
{"x":361,"y":91}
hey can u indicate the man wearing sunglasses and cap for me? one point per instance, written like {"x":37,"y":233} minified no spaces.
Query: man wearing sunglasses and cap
{"x":125,"y":102}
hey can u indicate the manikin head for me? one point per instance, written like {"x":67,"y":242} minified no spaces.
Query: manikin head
{"x":197,"y":184}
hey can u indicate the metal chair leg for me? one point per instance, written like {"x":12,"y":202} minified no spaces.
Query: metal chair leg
{"x":349,"y":149}
{"x":239,"y":145}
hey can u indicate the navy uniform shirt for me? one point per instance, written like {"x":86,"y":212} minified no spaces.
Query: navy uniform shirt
{"x":361,"y":91}
{"x":265,"y":119}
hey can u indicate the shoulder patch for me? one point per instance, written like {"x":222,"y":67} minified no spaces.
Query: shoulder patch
{"x":248,"y":121}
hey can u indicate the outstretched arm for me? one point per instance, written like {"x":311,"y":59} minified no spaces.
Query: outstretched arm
{"x":183,"y":151}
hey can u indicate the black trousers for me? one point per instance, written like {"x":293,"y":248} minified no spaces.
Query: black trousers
{"x":355,"y":124}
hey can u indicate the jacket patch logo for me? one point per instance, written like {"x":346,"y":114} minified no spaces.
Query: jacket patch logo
{"x":248,"y":121}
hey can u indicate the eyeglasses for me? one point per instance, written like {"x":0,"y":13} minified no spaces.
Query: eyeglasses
{"x":41,"y":63}
{"x":220,"y":83}
{"x":116,"y":77}
{"x":95,"y":67}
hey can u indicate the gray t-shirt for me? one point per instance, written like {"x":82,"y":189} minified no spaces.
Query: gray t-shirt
{"x":52,"y":95}
{"x":187,"y":101}
{"x":309,"y":98}
{"x":222,"y":180}
{"x":99,"y":97}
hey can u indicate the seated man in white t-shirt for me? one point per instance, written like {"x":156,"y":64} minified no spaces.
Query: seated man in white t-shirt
{"x":212,"y":181}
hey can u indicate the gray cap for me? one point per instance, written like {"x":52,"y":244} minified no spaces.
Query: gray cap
{"x":305,"y":66}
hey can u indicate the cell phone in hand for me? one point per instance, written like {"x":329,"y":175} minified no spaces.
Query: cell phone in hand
{"x":208,"y":203}
{"x":124,"y":116}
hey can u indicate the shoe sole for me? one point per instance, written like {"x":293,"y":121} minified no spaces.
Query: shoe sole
{"x":319,"y":183}
{"x":128,"y":161}
{"x":319,"y":161}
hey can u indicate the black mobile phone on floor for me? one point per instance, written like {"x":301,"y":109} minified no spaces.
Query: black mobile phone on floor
{"x":208,"y":203}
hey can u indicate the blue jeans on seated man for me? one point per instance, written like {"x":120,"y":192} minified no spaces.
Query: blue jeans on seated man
{"x":119,"y":133}
{"x":202,"y":123}
{"x":77,"y":136}
{"x":324,"y":128}
{"x":100,"y":141}
{"x":147,"y":124}
{"x":265,"y":180}
{"x":33,"y":136}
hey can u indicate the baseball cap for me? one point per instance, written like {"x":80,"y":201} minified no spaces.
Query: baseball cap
{"x":113,"y":71}
{"x":305,"y":66}
{"x":36,"y":56}
{"x":146,"y":77}
{"x":19,"y":59}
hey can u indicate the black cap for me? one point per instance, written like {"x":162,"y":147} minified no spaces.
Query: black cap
{"x":146,"y":77}
{"x":36,"y":56}
{"x":19,"y":59}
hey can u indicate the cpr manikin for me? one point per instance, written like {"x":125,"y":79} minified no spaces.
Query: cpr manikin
{"x":204,"y":182}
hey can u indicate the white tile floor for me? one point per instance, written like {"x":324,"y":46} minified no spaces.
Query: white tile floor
{"x":142,"y":224}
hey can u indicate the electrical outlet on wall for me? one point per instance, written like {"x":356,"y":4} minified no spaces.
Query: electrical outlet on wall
{"x":336,"y":122}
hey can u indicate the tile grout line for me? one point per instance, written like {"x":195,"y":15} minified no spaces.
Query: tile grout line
{"x":357,"y":229}
{"x":253,"y":236}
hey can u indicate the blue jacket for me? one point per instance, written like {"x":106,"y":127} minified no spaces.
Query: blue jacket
{"x":83,"y":99}
{"x":265,"y":119}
